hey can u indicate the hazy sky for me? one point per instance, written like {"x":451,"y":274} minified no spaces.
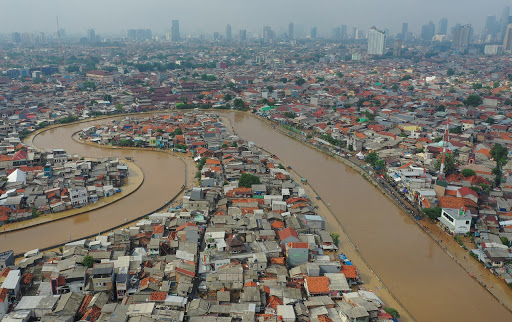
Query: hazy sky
{"x":196,"y":16}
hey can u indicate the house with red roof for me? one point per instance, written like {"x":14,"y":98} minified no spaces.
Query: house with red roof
{"x":288,"y":235}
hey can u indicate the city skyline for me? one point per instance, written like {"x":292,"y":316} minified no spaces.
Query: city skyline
{"x":77,"y":19}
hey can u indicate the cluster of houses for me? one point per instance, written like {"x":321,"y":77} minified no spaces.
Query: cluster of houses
{"x":232,"y":250}
{"x":36,"y":183}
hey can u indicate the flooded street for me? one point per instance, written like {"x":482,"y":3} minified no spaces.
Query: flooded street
{"x":164,"y":176}
{"x":424,"y":278}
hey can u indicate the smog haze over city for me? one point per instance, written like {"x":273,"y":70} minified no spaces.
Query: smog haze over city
{"x":204,"y":16}
{"x":264,"y":160}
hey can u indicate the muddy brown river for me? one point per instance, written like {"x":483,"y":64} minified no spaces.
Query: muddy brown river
{"x":163,"y":177}
{"x":416,"y":270}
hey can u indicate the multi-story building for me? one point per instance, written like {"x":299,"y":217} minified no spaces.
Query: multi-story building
{"x":376,"y":41}
{"x":79,"y":197}
{"x":461,"y":37}
{"x":229,"y":36}
{"x":507,"y":39}
{"x":175,"y":30}
{"x":443,"y":26}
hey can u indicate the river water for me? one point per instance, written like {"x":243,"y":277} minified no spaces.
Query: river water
{"x":163,"y":177}
{"x":423,"y":277}
{"x":416,"y":270}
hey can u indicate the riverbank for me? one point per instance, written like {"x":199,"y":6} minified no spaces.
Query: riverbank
{"x":492,"y":284}
{"x":134,"y":181}
{"x":184,"y":157}
{"x":164,"y":179}
{"x":333,"y":225}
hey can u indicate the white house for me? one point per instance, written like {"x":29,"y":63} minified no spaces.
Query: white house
{"x":12,"y":284}
{"x":79,"y":197}
{"x":458,"y":221}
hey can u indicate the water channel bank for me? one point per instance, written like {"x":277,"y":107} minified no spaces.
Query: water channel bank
{"x":415,"y":269}
{"x":490,"y":282}
{"x":412,"y":265}
{"x":164,"y":177}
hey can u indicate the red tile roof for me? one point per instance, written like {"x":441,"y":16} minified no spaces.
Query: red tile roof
{"x":3,"y":295}
{"x":287,"y":232}
{"x":158,"y":296}
{"x":349,"y":271}
{"x":318,"y":284}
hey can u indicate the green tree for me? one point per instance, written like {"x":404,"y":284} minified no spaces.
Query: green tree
{"x":126,"y":142}
{"x":90,"y":85}
{"x":393,"y":312}
{"x":270,"y":88}
{"x":489,"y":120}
{"x":477,"y":86}
{"x":239,"y":103}
{"x":300,"y":81}
{"x":289,"y":115}
{"x":178,"y":131}
{"x":504,"y":240}
{"x":468,"y":172}
{"x":107,"y":97}
{"x":88,"y":261}
{"x":73,"y":69}
{"x":500,"y":154}
{"x":432,"y":213}
{"x":450,"y":72}
{"x":473,"y":100}
{"x":449,"y":163}
{"x":456,"y":130}
{"x":181,"y":146}
{"x":120,"y":108}
{"x":228,"y":97}
{"x":372,"y":158}
{"x":335,"y":238}
{"x":247,"y":180}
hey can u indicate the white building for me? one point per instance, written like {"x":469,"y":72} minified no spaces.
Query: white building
{"x":376,"y":41}
{"x":491,"y":50}
{"x":79,"y":197}
{"x":458,"y":221}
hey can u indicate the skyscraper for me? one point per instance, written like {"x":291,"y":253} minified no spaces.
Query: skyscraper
{"x":376,"y":41}
{"x":229,"y":36}
{"x":405,"y":31}
{"x":175,"y":30}
{"x":504,"y":20}
{"x":343,"y":32}
{"x":132,"y":34}
{"x":507,"y":39}
{"x":243,"y":35}
{"x":443,"y":26}
{"x":461,"y":37}
{"x":268,"y":34}
{"x":16,"y":37}
{"x":428,"y":31}
{"x":312,"y":34}
{"x":336,"y":34}
{"x":491,"y":26}
{"x":91,"y":35}
{"x":291,"y":36}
